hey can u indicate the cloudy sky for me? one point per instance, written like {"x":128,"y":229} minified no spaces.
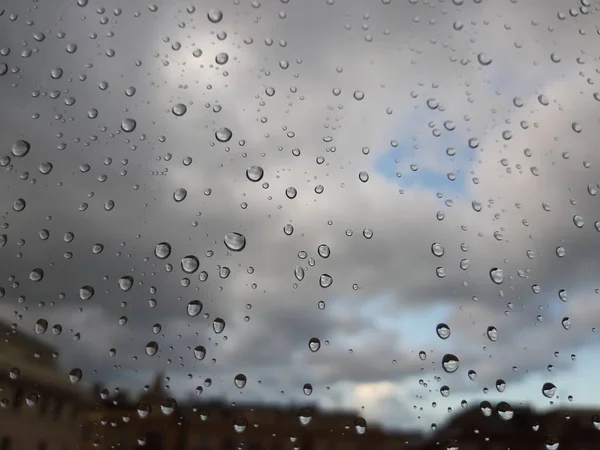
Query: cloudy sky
{"x":399,"y":124}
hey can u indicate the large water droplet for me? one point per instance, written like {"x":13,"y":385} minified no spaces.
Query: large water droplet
{"x":492,"y":333}
{"x":194,"y":308}
{"x":437,"y":249}
{"x":360,"y":425}
{"x":218,"y":325}
{"x":215,"y":15}
{"x":305,"y":416}
{"x":299,"y":273}
{"x":323,"y":251}
{"x":179,"y":109}
{"x":505,"y":411}
{"x":128,"y":125}
{"x":125,"y":283}
{"x":86,"y":292}
{"x":75,"y":375}
{"x":486,"y":408}
{"x":151,"y":348}
{"x":325,"y":280}
{"x":443,"y":331}
{"x":484,"y":59}
{"x":450,"y":363}
{"x":162,"y":250}
{"x":240,"y":424}
{"x":41,"y":326}
{"x":307,"y":389}
{"x":240,"y":380}
{"x":189,"y":264}
{"x":255,"y":173}
{"x":36,"y":275}
{"x":179,"y":195}
{"x":291,"y":192}
{"x":235,"y":242}
{"x":497,"y":275}
{"x":566,"y":323}
{"x":223,"y":134}
{"x":20,"y":148}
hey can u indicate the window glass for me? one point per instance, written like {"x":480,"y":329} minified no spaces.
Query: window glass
{"x":316,"y":224}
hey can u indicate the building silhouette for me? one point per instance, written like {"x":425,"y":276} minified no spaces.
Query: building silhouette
{"x":42,"y":409}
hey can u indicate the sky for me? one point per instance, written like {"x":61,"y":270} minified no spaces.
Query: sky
{"x":476,"y":122}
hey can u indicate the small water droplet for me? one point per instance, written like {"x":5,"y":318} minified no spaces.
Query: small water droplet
{"x":314,"y":344}
{"x":240,"y":380}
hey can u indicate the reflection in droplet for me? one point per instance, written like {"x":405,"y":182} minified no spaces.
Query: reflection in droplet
{"x":360,"y":425}
{"x":162,"y":250}
{"x":125,"y":283}
{"x":305,"y":416}
{"x":75,"y":375}
{"x":254,"y":173}
{"x":548,"y":390}
{"x":325,"y":280}
{"x":450,"y":363}
{"x":218,"y":325}
{"x":314,"y":344}
{"x":194,"y":308}
{"x":235,"y":242}
{"x":307,"y":389}
{"x":240,"y":380}
{"x":189,"y":264}
{"x":443,"y":331}
{"x":505,"y":411}
{"x":151,"y":348}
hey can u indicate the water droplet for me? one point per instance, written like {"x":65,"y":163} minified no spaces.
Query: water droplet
{"x":422,"y":355}
{"x":222,"y":58}
{"x":578,"y":221}
{"x":440,"y":272}
{"x":472,"y":374}
{"x":125,"y":283}
{"x":240,"y":380}
{"x":235,"y":242}
{"x":505,"y":411}
{"x":305,"y":416}
{"x":323,"y":251}
{"x":254,"y":173}
{"x":218,"y":325}
{"x":151,"y":348}
{"x":240,"y":424}
{"x":566,"y":323}
{"x":497,"y":275}
{"x":288,"y":229}
{"x":200,"y":352}
{"x":36,"y":275}
{"x":560,"y":251}
{"x":194,"y":308}
{"x":486,"y":408}
{"x":20,"y":148}
{"x":443,"y":331}
{"x":562,"y":294}
{"x":500,"y":385}
{"x":86,"y":292}
{"x":325,"y":280}
{"x":314,"y":344}
{"x":492,"y":334}
{"x":45,"y":168}
{"x":223,"y":134}
{"x":484,"y":59}
{"x":162,"y":250}
{"x":450,"y":363}
{"x":215,"y":15}
{"x":179,"y":109}
{"x":359,"y":95}
{"x":19,"y":205}
{"x":179,"y":195}
{"x":189,"y":264}
{"x":41,"y":326}
{"x":128,"y":125}
{"x":307,"y":389}
{"x":291,"y":192}
{"x":445,"y":391}
{"x":75,"y":375}
{"x":360,"y":425}
{"x":299,"y":273}
{"x":437,"y":249}
{"x":363,"y":176}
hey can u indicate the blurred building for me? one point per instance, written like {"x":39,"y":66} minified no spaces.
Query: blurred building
{"x":521,"y":429}
{"x":156,"y":422}
{"x":40,"y":409}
